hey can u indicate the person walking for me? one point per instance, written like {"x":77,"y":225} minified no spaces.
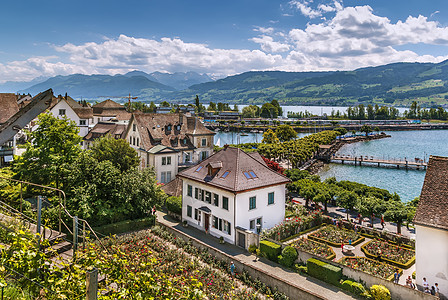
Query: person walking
{"x":437,"y":289}
{"x":425,"y":284}
{"x":232,"y":269}
{"x":396,"y":276}
{"x":382,"y":221}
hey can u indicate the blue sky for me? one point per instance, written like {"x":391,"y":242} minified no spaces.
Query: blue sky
{"x":60,"y":37}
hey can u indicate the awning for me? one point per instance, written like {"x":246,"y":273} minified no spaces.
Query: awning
{"x":205,"y":209}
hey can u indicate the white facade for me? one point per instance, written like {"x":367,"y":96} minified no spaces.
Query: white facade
{"x":431,"y":257}
{"x":62,"y":108}
{"x":238,"y":212}
{"x":204,"y":147}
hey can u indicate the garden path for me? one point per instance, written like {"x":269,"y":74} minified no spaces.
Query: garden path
{"x":315,"y":286}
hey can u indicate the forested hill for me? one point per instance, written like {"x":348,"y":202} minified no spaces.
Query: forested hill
{"x":397,"y":84}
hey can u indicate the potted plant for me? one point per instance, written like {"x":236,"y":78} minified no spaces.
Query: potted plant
{"x":185,"y":223}
{"x":221,"y":240}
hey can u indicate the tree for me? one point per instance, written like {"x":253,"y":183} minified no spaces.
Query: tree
{"x":347,"y":200}
{"x":212,"y":106}
{"x":366,"y":129}
{"x":269,"y":137}
{"x":309,"y":192}
{"x":251,"y":111}
{"x":165,"y":104}
{"x":285,"y":133}
{"x":197,"y":102}
{"x":368,"y":206}
{"x":269,"y":111}
{"x":396,"y":212}
{"x":55,"y":144}
{"x":277,"y":105}
{"x":377,"y":129}
{"x":322,"y":197}
{"x":118,"y":151}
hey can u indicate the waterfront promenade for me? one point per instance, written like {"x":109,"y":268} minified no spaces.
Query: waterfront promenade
{"x":417,"y":164}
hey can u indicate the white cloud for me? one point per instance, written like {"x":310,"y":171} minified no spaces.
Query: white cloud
{"x":265,"y":30}
{"x":268,"y":44}
{"x":306,"y":7}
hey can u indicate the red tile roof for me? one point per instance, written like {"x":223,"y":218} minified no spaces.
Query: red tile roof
{"x":103,"y":128}
{"x":237,"y":163}
{"x":432,"y":208}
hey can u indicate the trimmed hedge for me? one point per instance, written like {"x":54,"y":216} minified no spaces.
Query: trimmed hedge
{"x":126,"y":226}
{"x":288,"y":257}
{"x":270,"y":250}
{"x":324,"y":271}
{"x":300,"y":233}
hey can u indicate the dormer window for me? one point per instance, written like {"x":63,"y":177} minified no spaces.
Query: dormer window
{"x":178,"y":127}
{"x":168,"y":127}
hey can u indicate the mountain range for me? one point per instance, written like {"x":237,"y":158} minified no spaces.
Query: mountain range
{"x":395,"y":84}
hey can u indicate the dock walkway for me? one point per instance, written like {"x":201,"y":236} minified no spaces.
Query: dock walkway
{"x":417,"y":164}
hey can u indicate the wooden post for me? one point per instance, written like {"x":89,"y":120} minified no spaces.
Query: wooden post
{"x":75,"y":234}
{"x":92,"y":284}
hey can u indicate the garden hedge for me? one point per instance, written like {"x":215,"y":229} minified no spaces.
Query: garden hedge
{"x":358,"y":288}
{"x":270,"y":250}
{"x":323,"y":241}
{"x":126,"y":226}
{"x":347,"y":285}
{"x":288,"y":257}
{"x":324,"y":271}
{"x":300,"y":233}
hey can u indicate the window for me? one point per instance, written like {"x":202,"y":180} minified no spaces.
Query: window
{"x":252,"y":202}
{"x":202,"y":193}
{"x":134,"y":127}
{"x":166,"y":160}
{"x":223,"y":176}
{"x":225,"y":203}
{"x":133,"y":140}
{"x":187,"y":157}
{"x":271,"y":198}
{"x":252,"y":224}
{"x":189,"y":190}
{"x":168,"y":127}
{"x":220,"y":224}
{"x":216,"y":199}
{"x":247,"y":175}
{"x":82,"y":122}
{"x":189,"y":211}
{"x":99,"y":120}
{"x":130,"y":140}
{"x":227,"y":227}
{"x":204,"y":155}
{"x":137,"y":141}
{"x":252,"y":174}
{"x":204,"y":142}
{"x":196,"y":193}
{"x":197,"y":214}
{"x":62,"y":112}
{"x":165,"y":177}
{"x":215,"y":222}
{"x":208,"y":197}
{"x":178,"y":127}
{"x":198,"y":169}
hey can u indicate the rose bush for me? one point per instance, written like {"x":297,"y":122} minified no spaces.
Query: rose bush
{"x":313,"y":247}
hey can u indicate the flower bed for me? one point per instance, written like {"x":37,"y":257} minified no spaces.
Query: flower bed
{"x":392,"y":254}
{"x":370,"y":266}
{"x":314,"y":247}
{"x":335,"y":236}
{"x":292,"y":226}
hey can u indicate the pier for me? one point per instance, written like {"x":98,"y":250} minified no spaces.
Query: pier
{"x":408,"y":164}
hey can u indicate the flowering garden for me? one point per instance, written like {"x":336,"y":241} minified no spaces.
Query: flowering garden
{"x":394,"y":254}
{"x":334,"y":236}
{"x":314,"y":247}
{"x":301,"y":221}
{"x":369,"y":266}
{"x":143,"y":265}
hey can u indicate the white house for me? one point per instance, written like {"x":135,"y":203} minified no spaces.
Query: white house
{"x":80,"y":113}
{"x":108,"y":110}
{"x":431,"y":226}
{"x":168,"y":142}
{"x":233,"y":195}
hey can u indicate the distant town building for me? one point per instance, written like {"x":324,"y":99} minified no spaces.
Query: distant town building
{"x":168,"y":142}
{"x":108,"y":110}
{"x":117,"y":129}
{"x":431,"y":226}
{"x":233,"y":195}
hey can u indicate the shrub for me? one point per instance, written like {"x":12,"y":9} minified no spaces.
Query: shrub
{"x":413,"y":275}
{"x":358,"y":288}
{"x":126,"y":226}
{"x":174,"y":204}
{"x":379,"y":292}
{"x":253,"y":249}
{"x":324,"y":271}
{"x":301,"y":269}
{"x":288,"y":257}
{"x":271,"y":250}
{"x":347,"y":285}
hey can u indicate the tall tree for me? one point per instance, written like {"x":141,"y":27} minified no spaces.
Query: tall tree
{"x":269,"y":111}
{"x":118,"y":151}
{"x":396,"y":212}
{"x":347,"y":200}
{"x":285,"y":133}
{"x":279,"y":108}
{"x":269,"y":137}
{"x":55,"y":144}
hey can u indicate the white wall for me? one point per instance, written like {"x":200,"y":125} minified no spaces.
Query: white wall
{"x":197,"y":142}
{"x":70,"y":114}
{"x":431,"y":257}
{"x":272,"y":214}
{"x":159,"y":168}
{"x":217,"y":211}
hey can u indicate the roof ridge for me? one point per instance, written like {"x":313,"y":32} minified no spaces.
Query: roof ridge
{"x":237,"y":168}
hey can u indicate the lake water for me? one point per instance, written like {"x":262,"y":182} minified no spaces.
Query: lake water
{"x":402,"y":144}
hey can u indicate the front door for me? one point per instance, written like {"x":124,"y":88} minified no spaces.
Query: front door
{"x":242,"y":240}
{"x":206,"y":221}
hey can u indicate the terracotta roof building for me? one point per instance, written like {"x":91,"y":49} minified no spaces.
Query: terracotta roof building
{"x":168,"y":142}
{"x":8,"y":106}
{"x":431,"y":226}
{"x":233,"y":195}
{"x":108,"y":109}
{"x":101,"y":129}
